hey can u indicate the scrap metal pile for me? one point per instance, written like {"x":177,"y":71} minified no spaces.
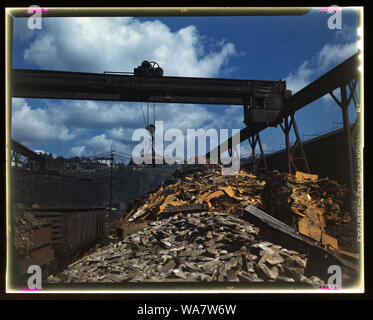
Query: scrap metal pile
{"x":311,"y":205}
{"x":32,"y":241}
{"x":199,"y":188}
{"x":193,"y":228}
{"x":25,"y":226}
{"x":206,"y":246}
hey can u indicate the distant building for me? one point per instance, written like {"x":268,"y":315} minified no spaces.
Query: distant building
{"x":73,"y":163}
{"x":88,"y":164}
{"x":146,"y":161}
{"x":84,"y":163}
{"x":57,"y":165}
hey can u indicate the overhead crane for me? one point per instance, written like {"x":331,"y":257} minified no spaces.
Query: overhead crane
{"x":266,"y":103}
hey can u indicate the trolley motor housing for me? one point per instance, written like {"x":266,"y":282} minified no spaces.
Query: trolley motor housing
{"x":264,"y":107}
{"x":148,"y":69}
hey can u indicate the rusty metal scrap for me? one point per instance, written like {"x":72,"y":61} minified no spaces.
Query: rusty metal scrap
{"x":32,"y":242}
{"x":30,"y":232}
{"x":204,"y":186}
{"x":312,"y":205}
{"x":194,"y":228}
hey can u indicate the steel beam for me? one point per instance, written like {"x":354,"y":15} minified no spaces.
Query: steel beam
{"x":114,"y":87}
{"x":333,"y":79}
{"x":343,"y":73}
{"x":21,"y":149}
{"x":71,"y":85}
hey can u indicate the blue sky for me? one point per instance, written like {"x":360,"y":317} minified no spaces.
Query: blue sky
{"x":297,"y":49}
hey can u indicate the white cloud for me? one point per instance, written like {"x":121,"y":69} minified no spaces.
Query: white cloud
{"x":77,"y":151}
{"x":96,"y":114}
{"x":233,"y":115}
{"x":328,"y":57}
{"x":120,"y":119}
{"x":300,"y":78}
{"x":96,"y":145}
{"x":332,"y":54}
{"x":121,"y":44}
{"x":68,"y":120}
{"x":347,"y":33}
{"x":120,"y":134}
{"x":34,"y":125}
{"x":44,"y":50}
{"x":184,"y":116}
{"x":116,"y":44}
{"x":40,"y":151}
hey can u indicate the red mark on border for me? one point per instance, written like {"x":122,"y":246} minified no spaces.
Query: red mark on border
{"x":330,"y":9}
{"x":33,"y":10}
{"x":328,"y":288}
{"x":28,"y":289}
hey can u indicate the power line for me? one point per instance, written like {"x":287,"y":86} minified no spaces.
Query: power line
{"x":124,"y":154}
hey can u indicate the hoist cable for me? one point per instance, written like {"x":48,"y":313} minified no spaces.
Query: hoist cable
{"x":147,"y":110}
{"x":143,"y":114}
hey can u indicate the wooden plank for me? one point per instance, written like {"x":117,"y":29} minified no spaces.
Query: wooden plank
{"x":317,"y":252}
{"x":188,"y":208}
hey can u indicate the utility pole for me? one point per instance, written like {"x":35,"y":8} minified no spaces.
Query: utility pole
{"x":111,"y":176}
{"x":111,"y":159}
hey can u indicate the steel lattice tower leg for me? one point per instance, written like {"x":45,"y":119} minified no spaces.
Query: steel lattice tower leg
{"x":290,"y":150}
{"x":343,"y":104}
{"x":254,"y":140}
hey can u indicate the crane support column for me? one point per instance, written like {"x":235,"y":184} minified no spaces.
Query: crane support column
{"x":343,"y":104}
{"x":254,"y":140}
{"x":298,"y":143}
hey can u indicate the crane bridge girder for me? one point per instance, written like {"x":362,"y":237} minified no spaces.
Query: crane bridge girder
{"x":94,"y":86}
